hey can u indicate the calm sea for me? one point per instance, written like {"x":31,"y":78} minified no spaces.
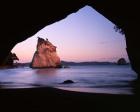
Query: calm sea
{"x":96,"y":78}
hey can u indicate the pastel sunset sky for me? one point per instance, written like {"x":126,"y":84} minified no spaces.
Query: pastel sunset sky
{"x":82,"y":36}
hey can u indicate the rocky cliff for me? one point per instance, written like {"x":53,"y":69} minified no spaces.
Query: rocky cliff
{"x":25,"y":22}
{"x":9,"y":62}
{"x":45,"y":56}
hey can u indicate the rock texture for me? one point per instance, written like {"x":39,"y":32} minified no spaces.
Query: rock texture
{"x":45,"y":55}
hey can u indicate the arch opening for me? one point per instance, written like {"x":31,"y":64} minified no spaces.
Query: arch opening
{"x":85,"y":36}
{"x":86,"y":27}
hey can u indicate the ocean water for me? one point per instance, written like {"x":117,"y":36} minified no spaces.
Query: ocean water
{"x":112,"y":79}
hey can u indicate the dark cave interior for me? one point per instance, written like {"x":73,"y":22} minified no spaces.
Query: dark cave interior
{"x":19,"y":23}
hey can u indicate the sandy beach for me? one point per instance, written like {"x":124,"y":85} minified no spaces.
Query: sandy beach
{"x":46,"y":99}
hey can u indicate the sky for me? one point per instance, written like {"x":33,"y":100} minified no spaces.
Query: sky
{"x":82,"y":36}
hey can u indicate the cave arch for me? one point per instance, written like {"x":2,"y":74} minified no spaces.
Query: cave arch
{"x":84,"y":31}
{"x":19,"y":23}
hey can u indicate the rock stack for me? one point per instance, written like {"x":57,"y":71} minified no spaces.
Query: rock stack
{"x":45,"y":56}
{"x":10,"y":59}
{"x":121,"y":61}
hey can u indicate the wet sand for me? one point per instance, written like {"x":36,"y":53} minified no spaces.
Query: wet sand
{"x":46,"y":99}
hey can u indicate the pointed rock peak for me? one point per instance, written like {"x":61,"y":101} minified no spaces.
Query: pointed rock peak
{"x":45,"y":55}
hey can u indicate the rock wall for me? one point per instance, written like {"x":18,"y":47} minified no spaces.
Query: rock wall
{"x":25,"y":22}
{"x":45,"y":56}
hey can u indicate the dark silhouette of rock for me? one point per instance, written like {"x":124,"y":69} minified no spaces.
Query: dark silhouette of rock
{"x":121,"y":61}
{"x":10,"y":59}
{"x":45,"y":56}
{"x":68,"y":82}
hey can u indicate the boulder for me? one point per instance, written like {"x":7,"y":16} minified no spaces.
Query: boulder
{"x":45,"y":56}
{"x":68,"y":82}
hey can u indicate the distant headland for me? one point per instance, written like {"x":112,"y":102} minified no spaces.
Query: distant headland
{"x":70,"y":63}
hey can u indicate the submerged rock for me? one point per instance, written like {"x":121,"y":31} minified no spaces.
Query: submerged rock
{"x":66,"y":66}
{"x":68,"y":82}
{"x":45,"y":56}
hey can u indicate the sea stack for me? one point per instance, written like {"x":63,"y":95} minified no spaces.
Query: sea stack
{"x":45,"y":56}
{"x":121,"y":61}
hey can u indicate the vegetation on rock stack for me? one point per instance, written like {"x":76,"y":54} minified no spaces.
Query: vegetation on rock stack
{"x":10,"y":59}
